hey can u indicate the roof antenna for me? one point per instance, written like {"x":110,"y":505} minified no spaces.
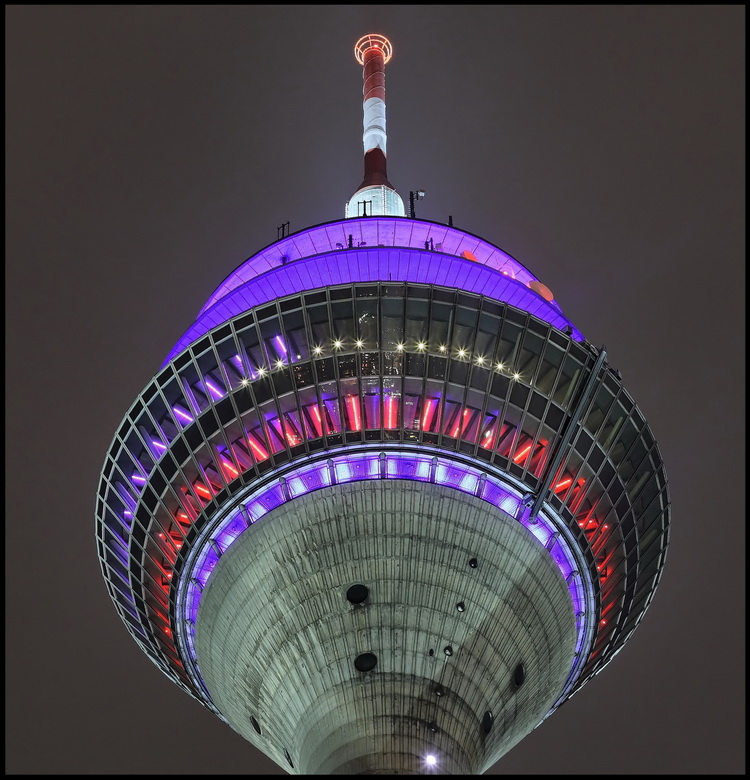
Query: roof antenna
{"x":413,"y":197}
{"x":372,"y":52}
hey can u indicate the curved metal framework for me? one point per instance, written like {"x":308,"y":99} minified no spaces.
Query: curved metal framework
{"x":355,"y":368}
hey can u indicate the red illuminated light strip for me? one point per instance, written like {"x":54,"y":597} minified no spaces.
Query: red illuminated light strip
{"x":317,"y":419}
{"x":391,"y":411}
{"x":429,"y":414}
{"x":258,"y":451}
{"x":352,"y":401}
{"x":458,"y":428}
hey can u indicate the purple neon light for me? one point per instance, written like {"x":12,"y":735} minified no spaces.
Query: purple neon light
{"x":182,"y":414}
{"x":158,"y":444}
{"x":280,"y":342}
{"x":214,"y":390}
{"x":363,"y":466}
{"x":372,"y":265}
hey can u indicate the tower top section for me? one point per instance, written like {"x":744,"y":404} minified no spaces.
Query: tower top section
{"x":375,"y":196}
{"x":373,"y":41}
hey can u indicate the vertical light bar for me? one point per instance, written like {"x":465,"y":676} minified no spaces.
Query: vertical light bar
{"x":317,"y":420}
{"x":429,"y":413}
{"x":391,"y":411}
{"x":354,"y":417}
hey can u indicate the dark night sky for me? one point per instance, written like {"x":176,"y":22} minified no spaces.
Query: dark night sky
{"x":151,"y":149}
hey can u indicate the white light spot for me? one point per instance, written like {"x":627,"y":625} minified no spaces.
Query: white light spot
{"x":430,"y":760}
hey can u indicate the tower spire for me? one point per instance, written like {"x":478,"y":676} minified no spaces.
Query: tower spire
{"x":375,"y":196}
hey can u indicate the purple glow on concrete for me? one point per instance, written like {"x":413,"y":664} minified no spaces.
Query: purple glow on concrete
{"x":214,"y":390}
{"x":182,"y":414}
{"x":372,"y":265}
{"x":367,"y":465}
{"x":230,"y":532}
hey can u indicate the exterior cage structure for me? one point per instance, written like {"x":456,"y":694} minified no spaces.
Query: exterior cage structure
{"x":383,"y":508}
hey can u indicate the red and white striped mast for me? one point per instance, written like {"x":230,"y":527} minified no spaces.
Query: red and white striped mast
{"x":373,"y":51}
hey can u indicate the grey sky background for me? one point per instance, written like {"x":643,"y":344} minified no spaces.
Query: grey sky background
{"x":151,"y":149}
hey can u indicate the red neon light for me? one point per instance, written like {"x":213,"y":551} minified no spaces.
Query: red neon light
{"x":230,"y":467}
{"x":429,"y":413}
{"x":458,"y":428}
{"x":257,"y":449}
{"x":291,"y":437}
{"x":353,"y":403}
{"x":488,"y":438}
{"x":317,"y":421}
{"x":203,"y":490}
{"x":391,"y":411}
{"x":183,"y":519}
{"x":519,"y":456}
{"x":562,"y":484}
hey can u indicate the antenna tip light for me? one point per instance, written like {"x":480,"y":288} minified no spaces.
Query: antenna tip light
{"x":372,"y":41}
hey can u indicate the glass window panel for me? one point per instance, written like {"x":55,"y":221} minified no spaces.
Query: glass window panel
{"x":416,"y":322}
{"x":508,"y":345}
{"x":566,"y":381}
{"x":366,"y":312}
{"x":296,"y":336}
{"x":371,"y":402}
{"x":343,"y":322}
{"x":320,"y":326}
{"x":548,"y":368}
{"x":392,"y":322}
{"x":531,"y":351}
{"x":329,"y":397}
{"x":439,"y":325}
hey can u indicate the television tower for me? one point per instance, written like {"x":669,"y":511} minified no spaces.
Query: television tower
{"x":383,"y":509}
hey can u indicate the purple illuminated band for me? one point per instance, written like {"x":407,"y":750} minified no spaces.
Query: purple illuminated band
{"x":227,"y":526}
{"x":368,"y":266}
{"x":372,"y":232}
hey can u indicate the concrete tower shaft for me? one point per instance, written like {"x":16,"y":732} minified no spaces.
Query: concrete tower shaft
{"x":446,"y":637}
